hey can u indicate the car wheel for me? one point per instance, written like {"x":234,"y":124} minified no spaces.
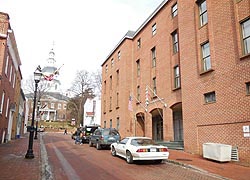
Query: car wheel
{"x":129,"y":157}
{"x":90,"y":144}
{"x":113,"y":151}
{"x":98,"y":146}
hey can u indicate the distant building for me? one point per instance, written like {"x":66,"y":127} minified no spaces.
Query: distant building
{"x":92,"y":111}
{"x":53,"y":104}
{"x":183,"y":76}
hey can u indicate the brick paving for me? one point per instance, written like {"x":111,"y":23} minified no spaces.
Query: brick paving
{"x":13,"y":164}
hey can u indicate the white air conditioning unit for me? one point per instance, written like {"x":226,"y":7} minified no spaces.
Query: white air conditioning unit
{"x":217,"y":152}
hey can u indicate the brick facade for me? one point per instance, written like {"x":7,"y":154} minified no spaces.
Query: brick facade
{"x":187,"y":116}
{"x":10,"y":82}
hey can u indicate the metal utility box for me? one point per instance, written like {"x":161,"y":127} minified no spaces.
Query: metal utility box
{"x":218,"y":152}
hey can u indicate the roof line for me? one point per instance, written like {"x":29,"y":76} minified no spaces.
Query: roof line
{"x":132,"y":34}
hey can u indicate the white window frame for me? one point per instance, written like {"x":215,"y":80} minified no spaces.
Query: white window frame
{"x":203,"y":13}
{"x":245,"y":28}
{"x":2,"y":103}
{"x":154,"y":29}
{"x":174,"y":10}
{"x":206,"y":61}
{"x":6,"y":112}
{"x":7,"y":65}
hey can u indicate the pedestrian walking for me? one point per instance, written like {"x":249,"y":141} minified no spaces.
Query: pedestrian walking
{"x":78,"y":136}
{"x":65,"y":132}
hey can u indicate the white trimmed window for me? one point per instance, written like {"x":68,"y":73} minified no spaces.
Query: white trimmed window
{"x":176,"y":77}
{"x":154,"y":29}
{"x":59,"y":106}
{"x":206,"y":62}
{"x":245,"y":28}
{"x":174,"y":10}
{"x":2,"y":103}
{"x":6,"y":112}
{"x":203,"y":12}
{"x":6,"y":65}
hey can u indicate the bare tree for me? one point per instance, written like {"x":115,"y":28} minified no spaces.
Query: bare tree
{"x":29,"y":87}
{"x":82,"y":88}
{"x":97,"y":81}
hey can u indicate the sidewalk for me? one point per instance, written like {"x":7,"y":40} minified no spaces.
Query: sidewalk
{"x":229,"y":170}
{"x":14,"y":166}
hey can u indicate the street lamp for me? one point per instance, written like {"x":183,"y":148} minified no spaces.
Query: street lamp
{"x":37,"y":117}
{"x":37,"y":77}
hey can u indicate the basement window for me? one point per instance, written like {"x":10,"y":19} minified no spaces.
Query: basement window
{"x":210,"y":97}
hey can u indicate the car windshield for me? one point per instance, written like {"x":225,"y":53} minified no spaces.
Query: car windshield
{"x":142,"y":142}
{"x":110,"y":132}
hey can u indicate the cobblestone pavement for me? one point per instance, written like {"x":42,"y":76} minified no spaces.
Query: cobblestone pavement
{"x":14,"y":166}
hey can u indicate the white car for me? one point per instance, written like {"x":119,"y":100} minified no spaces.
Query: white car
{"x":139,"y":148}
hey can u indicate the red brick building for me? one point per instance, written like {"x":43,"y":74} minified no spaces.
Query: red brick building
{"x":10,"y":83}
{"x":184,"y":75}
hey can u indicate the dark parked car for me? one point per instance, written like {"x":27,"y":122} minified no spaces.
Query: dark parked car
{"x":104,"y":137}
{"x":87,"y":131}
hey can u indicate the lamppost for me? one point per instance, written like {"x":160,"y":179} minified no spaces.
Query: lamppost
{"x":37,"y":117}
{"x":37,"y":77}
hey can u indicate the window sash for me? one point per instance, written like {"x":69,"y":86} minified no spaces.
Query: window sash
{"x":176,"y":77}
{"x":246,"y":36}
{"x":175,"y":42}
{"x":154,"y":29}
{"x":206,"y":57}
{"x":138,"y":67}
{"x":203,"y":13}
{"x":174,"y":10}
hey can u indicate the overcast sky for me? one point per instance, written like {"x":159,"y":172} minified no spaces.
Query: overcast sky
{"x":84,"y":31}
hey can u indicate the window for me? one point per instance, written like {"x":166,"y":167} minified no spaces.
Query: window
{"x":7,"y":63}
{"x":117,"y":77}
{"x":154,"y":86}
{"x":110,"y":82}
{"x":64,"y":106}
{"x":119,"y":55}
{"x":206,"y":62}
{"x":118,"y":123}
{"x":154,"y":29}
{"x":117,"y":99}
{"x":110,"y":123}
{"x":105,"y":124}
{"x":176,"y":77}
{"x":14,"y":80}
{"x":6,"y":112}
{"x":59,"y":106}
{"x":153,"y":52}
{"x":105,"y":85}
{"x":203,"y":12}
{"x":245,"y":26}
{"x":112,"y":62}
{"x":248,"y":88}
{"x":138,"y":68}
{"x":10,"y":73}
{"x":210,"y":97}
{"x":138,"y":93}
{"x":2,"y":103}
{"x":110,"y":103}
{"x":52,"y":105}
{"x":139,"y":43}
{"x":106,"y":68}
{"x":175,"y":42}
{"x":174,"y":10}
